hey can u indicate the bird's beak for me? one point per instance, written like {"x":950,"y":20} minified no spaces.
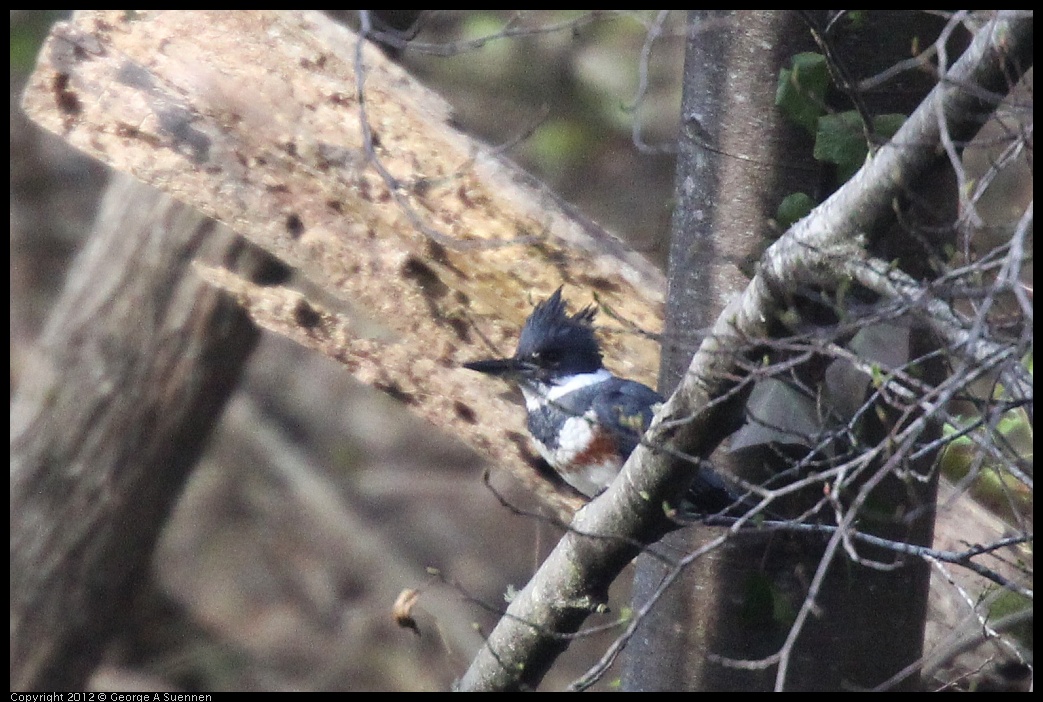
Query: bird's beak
{"x":506,"y":368}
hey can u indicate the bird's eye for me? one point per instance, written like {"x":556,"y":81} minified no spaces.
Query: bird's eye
{"x":550,"y":357}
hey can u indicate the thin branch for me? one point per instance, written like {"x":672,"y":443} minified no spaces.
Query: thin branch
{"x":842,"y":78}
{"x":654,"y":32}
{"x":509,"y":31}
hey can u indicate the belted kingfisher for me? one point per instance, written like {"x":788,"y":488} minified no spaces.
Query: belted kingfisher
{"x":585,"y":421}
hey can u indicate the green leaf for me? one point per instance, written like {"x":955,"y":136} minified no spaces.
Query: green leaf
{"x":840,"y":139}
{"x":801,"y":92}
{"x":1008,"y":603}
{"x":793,"y":208}
{"x":856,"y":19}
{"x":557,"y":143}
{"x":885,"y":126}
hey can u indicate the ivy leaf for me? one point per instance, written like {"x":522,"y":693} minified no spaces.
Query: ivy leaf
{"x":793,"y":208}
{"x":802,"y":90}
{"x":840,"y":139}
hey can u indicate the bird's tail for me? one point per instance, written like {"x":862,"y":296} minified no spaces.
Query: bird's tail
{"x":710,"y":496}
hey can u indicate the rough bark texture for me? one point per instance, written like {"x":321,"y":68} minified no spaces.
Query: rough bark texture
{"x":738,"y":157}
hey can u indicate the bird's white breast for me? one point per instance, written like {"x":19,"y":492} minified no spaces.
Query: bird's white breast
{"x":575,"y":438}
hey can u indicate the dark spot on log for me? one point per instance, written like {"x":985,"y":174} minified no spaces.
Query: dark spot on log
{"x":425,"y":277}
{"x":461,"y":192}
{"x":68,"y":101}
{"x":521,"y":442}
{"x":305,"y":315}
{"x":437,"y":252}
{"x":129,"y":131}
{"x":464,"y":412}
{"x":599,"y":283}
{"x":394,"y":391}
{"x":270,"y":270}
{"x":461,"y":328}
{"x":294,"y":225}
{"x":421,"y":186}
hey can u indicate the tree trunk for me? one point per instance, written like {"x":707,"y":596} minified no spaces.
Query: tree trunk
{"x":130,"y":375}
{"x":738,"y":159}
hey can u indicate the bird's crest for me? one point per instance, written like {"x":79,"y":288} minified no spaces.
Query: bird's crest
{"x":549,"y":330}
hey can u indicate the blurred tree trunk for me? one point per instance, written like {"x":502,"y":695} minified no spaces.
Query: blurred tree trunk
{"x":739,"y":157}
{"x":129,"y":376}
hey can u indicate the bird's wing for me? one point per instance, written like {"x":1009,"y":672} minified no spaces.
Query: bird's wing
{"x":629,"y":406}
